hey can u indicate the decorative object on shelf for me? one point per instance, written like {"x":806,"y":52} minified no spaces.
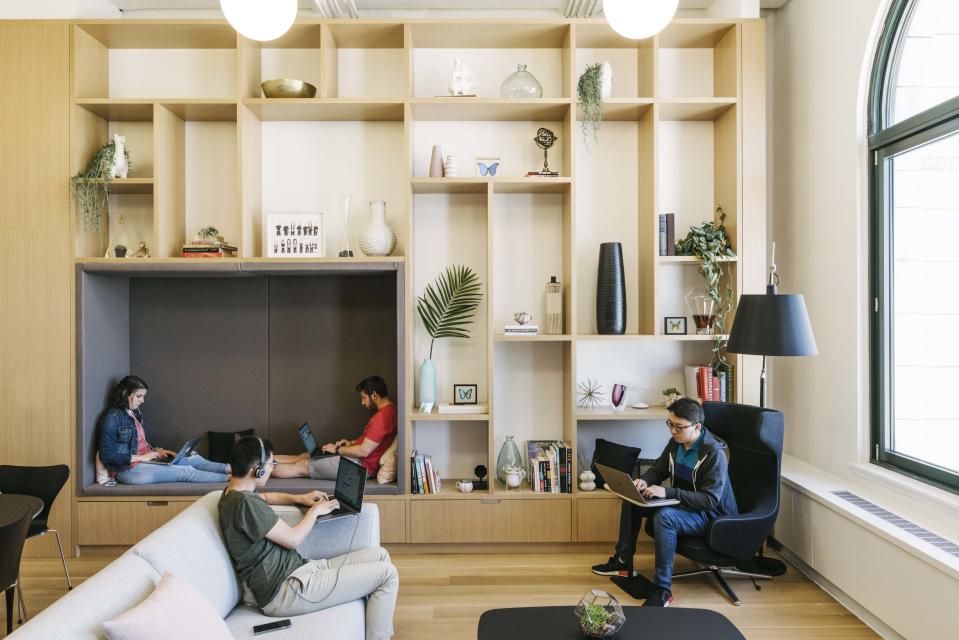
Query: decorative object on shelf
{"x":702,"y":308}
{"x":610,"y":290}
{"x":606,"y":80}
{"x":513,"y":476}
{"x":465,"y":394}
{"x":587,"y":481}
{"x":599,"y":615}
{"x":480,"y":471}
{"x":290,"y":235}
{"x":772,"y":324}
{"x":509,"y":457}
{"x":521,"y":317}
{"x":436,"y":162}
{"x":91,"y":187}
{"x":120,"y":167}
{"x":261,"y":20}
{"x":346,"y":252}
{"x":451,"y":167}
{"x":554,"y":307}
{"x":207,"y":243}
{"x":590,"y":394}
{"x":589,"y":91}
{"x":638,"y":19}
{"x":142,"y":250}
{"x":120,"y":251}
{"x":446,"y":307}
{"x":671,"y":395}
{"x":464,"y":486}
{"x":618,"y":396}
{"x":377,"y":239}
{"x":119,"y":237}
{"x":521,"y":329}
{"x":639,"y":405}
{"x":674,"y":325}
{"x":287,"y":88}
{"x":462,"y":80}
{"x":487,"y":167}
{"x":521,"y":84}
{"x":544,"y":140}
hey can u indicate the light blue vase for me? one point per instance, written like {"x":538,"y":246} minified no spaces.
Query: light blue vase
{"x":427,"y":382}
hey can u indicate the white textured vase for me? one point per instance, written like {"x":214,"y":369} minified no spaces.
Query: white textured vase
{"x":377,"y":239}
{"x":606,"y":80}
{"x":452,"y":167}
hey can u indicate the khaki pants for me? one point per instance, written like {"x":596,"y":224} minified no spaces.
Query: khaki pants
{"x":320,"y":584}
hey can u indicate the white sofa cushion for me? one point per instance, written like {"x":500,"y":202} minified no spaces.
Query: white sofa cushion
{"x":344,"y":622}
{"x":191,"y":546}
{"x":120,"y":586}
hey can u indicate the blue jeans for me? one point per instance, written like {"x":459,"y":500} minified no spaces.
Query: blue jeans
{"x":668,"y":524}
{"x":193,"y":468}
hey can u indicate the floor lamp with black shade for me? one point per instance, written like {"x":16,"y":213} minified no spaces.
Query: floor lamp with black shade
{"x":771,"y":324}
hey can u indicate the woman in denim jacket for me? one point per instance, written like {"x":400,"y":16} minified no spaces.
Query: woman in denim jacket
{"x":123,"y":444}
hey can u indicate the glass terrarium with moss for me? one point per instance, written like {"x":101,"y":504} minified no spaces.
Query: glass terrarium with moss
{"x":599,"y":615}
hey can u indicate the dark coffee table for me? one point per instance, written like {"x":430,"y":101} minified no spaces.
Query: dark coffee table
{"x":559,"y":623}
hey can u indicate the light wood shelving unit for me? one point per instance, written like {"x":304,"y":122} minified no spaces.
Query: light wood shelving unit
{"x":206,"y":148}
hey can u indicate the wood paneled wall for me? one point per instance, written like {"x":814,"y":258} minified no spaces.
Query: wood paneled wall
{"x":36,"y":387}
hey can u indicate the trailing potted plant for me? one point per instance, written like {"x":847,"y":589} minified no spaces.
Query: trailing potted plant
{"x":446,"y":308}
{"x":592,"y":89}
{"x":710,"y":243}
{"x":91,"y":187}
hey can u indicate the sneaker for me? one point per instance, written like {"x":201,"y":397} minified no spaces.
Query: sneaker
{"x":659,"y":597}
{"x":613,"y":567}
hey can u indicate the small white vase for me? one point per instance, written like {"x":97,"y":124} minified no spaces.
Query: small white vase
{"x":377,"y":239}
{"x":452,"y":167}
{"x":606,"y":80}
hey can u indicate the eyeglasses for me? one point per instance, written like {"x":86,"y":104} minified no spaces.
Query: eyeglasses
{"x":679,"y":427}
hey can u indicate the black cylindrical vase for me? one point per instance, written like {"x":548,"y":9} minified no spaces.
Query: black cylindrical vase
{"x":610,"y":290}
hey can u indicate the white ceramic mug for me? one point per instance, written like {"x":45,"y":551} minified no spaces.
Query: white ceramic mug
{"x":464,"y":486}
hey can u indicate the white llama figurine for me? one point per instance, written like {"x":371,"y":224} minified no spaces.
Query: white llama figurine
{"x":462,"y":80}
{"x":120,"y":166}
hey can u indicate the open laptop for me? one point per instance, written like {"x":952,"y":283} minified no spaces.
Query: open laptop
{"x":184,"y":451}
{"x":622,"y":485}
{"x":312,"y":448}
{"x":350,"y":485}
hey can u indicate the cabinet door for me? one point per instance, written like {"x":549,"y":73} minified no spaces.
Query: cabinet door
{"x":490,"y":520}
{"x":597,"y":520}
{"x":123,"y":523}
{"x":392,"y":520}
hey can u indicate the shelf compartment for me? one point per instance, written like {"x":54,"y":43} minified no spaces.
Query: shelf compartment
{"x":118,"y":109}
{"x":694,"y":109}
{"x":161,"y":34}
{"x":131,"y":186}
{"x":473,"y":109}
{"x":698,"y":58}
{"x":694,"y":34}
{"x":500,"y":185}
{"x":500,"y":337}
{"x":332,"y":109}
{"x":472,"y":34}
{"x":654,"y":412}
{"x":622,"y":109}
{"x":202,"y":110}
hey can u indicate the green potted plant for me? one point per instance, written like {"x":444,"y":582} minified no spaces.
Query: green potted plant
{"x":446,"y":308}
{"x":671,"y":395}
{"x":589,"y":90}
{"x":91,"y":187}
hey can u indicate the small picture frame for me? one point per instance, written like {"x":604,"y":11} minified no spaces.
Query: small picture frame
{"x":294,"y":235}
{"x":464,"y":393}
{"x":674,"y":326}
{"x":487,"y":167}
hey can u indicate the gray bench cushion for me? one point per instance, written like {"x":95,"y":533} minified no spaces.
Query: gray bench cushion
{"x":289,"y":485}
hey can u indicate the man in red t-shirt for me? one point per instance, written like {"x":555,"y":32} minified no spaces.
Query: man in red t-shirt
{"x":376,"y":438}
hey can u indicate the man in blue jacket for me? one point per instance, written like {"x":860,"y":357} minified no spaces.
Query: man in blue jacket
{"x":696,"y":463}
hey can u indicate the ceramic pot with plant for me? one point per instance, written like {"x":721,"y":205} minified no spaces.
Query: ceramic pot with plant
{"x":91,"y":187}
{"x":592,"y":89}
{"x":671,"y":395}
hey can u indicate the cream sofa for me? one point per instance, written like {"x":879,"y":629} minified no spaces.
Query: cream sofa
{"x":191,"y":546}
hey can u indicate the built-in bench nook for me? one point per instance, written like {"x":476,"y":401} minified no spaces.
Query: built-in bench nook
{"x":227,"y":345}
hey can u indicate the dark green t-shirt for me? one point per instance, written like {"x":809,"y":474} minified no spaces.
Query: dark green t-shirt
{"x":245,"y":519}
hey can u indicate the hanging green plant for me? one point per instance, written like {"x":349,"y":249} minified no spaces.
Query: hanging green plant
{"x":589,"y":91}
{"x":91,"y":187}
{"x":710,"y":244}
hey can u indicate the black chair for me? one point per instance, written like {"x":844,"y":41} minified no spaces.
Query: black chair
{"x":44,"y":483}
{"x":12,"y":537}
{"x":755,"y":440}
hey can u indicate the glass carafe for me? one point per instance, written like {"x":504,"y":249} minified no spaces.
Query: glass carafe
{"x":508,"y":457}
{"x":521,"y":84}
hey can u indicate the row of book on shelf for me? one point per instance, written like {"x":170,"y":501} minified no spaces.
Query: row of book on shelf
{"x":550,"y":466}
{"x":667,"y":234}
{"x":717,"y":384}
{"x":425,"y":477}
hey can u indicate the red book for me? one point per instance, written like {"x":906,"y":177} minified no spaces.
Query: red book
{"x":201,"y":254}
{"x":704,"y":383}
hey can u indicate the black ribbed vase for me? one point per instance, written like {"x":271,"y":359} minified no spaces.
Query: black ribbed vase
{"x":610,"y":290}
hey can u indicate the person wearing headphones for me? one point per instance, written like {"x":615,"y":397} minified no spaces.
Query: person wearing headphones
{"x":263,"y":549}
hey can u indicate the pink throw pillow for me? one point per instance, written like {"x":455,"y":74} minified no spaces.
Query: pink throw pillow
{"x":175,"y":609}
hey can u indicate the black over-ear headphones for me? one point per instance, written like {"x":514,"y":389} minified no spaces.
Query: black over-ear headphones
{"x":261,"y":468}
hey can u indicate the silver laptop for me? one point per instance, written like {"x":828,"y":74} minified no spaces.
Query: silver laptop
{"x":350,"y":485}
{"x":184,"y":451}
{"x":622,"y":485}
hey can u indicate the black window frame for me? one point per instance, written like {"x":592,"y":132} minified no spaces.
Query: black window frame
{"x":885,"y":142}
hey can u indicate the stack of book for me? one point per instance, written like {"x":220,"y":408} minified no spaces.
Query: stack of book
{"x":550,"y":466}
{"x":207,"y":250}
{"x":425,"y":478}
{"x":717,"y":385}
{"x":667,"y":234}
{"x":521,"y":329}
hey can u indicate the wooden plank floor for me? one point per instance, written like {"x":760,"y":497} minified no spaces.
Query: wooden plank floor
{"x":442,"y":595}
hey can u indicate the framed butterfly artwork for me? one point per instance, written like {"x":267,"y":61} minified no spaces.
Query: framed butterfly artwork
{"x":464,"y":394}
{"x":674,"y":326}
{"x":488,"y":167}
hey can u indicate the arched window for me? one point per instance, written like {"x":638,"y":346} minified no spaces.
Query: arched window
{"x":914,"y":242}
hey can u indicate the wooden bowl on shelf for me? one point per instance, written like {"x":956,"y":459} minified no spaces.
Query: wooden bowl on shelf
{"x":288,"y":88}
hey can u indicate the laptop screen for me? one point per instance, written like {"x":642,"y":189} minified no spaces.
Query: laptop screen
{"x":350,"y":482}
{"x":306,"y":435}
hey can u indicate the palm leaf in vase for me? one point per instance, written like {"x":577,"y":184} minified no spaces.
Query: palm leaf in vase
{"x":448,"y":304}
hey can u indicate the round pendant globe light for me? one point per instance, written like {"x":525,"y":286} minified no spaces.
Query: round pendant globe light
{"x":260,"y":19}
{"x":638,"y":19}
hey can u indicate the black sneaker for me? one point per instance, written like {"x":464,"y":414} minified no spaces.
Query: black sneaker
{"x":659,"y":597}
{"x":613,"y":567}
